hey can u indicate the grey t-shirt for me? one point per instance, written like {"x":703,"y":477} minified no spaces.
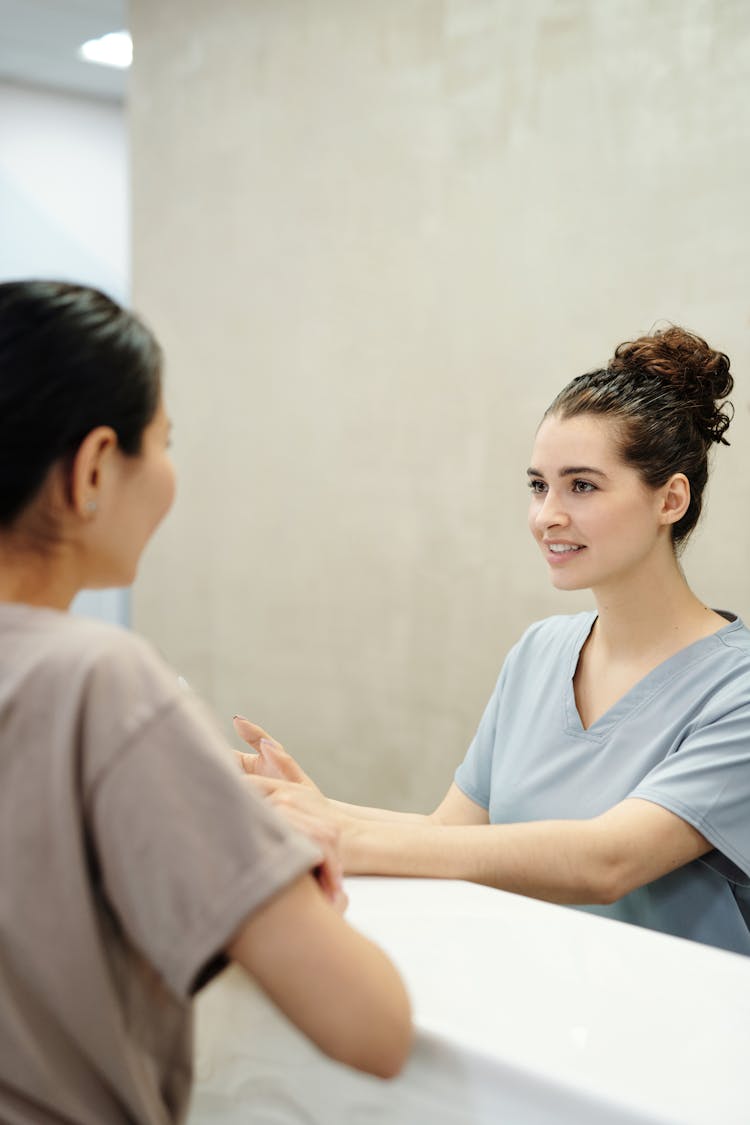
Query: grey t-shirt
{"x":130,"y":854}
{"x":679,"y":738}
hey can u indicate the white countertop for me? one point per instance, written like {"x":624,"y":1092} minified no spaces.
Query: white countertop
{"x":525,"y":1012}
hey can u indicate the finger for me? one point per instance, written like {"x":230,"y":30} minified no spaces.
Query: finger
{"x":265,"y":786}
{"x":262,"y":764}
{"x":273,"y":756}
{"x":251,"y":732}
{"x":340,"y":902}
{"x":330,"y":877}
{"x":248,"y":763}
{"x":331,"y":871}
{"x":277,"y":763}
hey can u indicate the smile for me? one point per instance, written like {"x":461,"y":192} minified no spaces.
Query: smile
{"x":563,"y":548}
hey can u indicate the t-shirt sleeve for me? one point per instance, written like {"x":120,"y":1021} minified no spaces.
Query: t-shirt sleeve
{"x":185,"y":850}
{"x":474,"y":776}
{"x":706,"y":781}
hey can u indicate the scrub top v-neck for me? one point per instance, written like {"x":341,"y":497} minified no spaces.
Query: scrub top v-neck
{"x":658,"y":680}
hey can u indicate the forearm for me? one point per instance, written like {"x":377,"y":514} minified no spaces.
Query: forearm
{"x":385,"y":816}
{"x":558,"y":861}
{"x":334,"y":984}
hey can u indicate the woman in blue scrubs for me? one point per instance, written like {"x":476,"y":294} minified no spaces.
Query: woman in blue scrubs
{"x":611,"y":768}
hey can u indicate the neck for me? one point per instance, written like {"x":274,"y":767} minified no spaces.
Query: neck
{"x":649,"y":611}
{"x":29,"y":577}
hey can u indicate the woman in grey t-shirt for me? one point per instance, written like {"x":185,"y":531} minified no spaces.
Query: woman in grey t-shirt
{"x":133,"y":861}
{"x":611,"y":769}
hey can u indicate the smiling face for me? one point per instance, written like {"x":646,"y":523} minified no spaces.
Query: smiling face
{"x":594,"y":519}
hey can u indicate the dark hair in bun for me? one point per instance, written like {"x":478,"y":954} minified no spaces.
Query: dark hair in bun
{"x":667,"y":392}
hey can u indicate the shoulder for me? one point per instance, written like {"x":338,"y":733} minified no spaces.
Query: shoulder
{"x":68,"y":662}
{"x":728,"y":665}
{"x":554,"y":634}
{"x":93,"y":688}
{"x":83,"y":645}
{"x":124,"y":683}
{"x":735,"y":637}
{"x":547,"y":647}
{"x":726,"y":675}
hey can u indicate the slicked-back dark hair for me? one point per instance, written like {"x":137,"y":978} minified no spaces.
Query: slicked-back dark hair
{"x":666,"y":392}
{"x":71,"y":359}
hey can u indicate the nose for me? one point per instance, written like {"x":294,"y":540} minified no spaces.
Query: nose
{"x":550,"y":512}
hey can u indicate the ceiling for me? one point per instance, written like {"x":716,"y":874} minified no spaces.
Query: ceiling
{"x":39,"y":40}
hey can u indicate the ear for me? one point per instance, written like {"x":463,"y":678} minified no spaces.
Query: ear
{"x":675,"y":498}
{"x":90,"y":469}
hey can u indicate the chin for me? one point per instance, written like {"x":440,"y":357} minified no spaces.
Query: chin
{"x":569,"y":583}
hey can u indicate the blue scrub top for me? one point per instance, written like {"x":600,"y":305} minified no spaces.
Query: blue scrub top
{"x":680,"y":738}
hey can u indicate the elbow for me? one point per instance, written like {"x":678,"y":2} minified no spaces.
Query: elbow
{"x":610,"y":873}
{"x":393,"y":1060}
{"x":382,"y":1051}
{"x":611,"y":883}
{"x":399,"y":1046}
{"x":605,"y":894}
{"x":388,"y":1056}
{"x":397,"y":1037}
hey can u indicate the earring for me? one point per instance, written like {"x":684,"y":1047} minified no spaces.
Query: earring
{"x":91,"y":506}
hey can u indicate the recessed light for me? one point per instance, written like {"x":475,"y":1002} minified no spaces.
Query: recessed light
{"x":113,"y":49}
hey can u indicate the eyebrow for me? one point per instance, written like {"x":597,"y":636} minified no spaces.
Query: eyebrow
{"x":569,"y":471}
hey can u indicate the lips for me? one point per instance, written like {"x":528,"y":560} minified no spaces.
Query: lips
{"x":558,"y":552}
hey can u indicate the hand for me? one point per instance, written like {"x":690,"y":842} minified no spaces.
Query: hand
{"x":325,"y":835}
{"x":270,"y":758}
{"x":293,"y":800}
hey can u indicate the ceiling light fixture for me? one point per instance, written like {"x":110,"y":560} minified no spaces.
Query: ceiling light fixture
{"x":113,"y":49}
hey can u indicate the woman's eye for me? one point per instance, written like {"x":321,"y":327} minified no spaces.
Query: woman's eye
{"x":583,"y":486}
{"x":537,"y":486}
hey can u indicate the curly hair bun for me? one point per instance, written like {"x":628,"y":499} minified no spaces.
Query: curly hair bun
{"x":698,"y":374}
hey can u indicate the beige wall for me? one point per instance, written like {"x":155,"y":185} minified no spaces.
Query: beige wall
{"x":375,"y":237}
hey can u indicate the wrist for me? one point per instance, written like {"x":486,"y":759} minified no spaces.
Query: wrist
{"x":353,"y":843}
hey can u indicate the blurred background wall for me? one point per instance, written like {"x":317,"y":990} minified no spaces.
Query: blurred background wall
{"x":64,"y":200}
{"x":375,"y":238}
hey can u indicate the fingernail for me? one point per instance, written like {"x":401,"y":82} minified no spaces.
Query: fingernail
{"x":241,"y":718}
